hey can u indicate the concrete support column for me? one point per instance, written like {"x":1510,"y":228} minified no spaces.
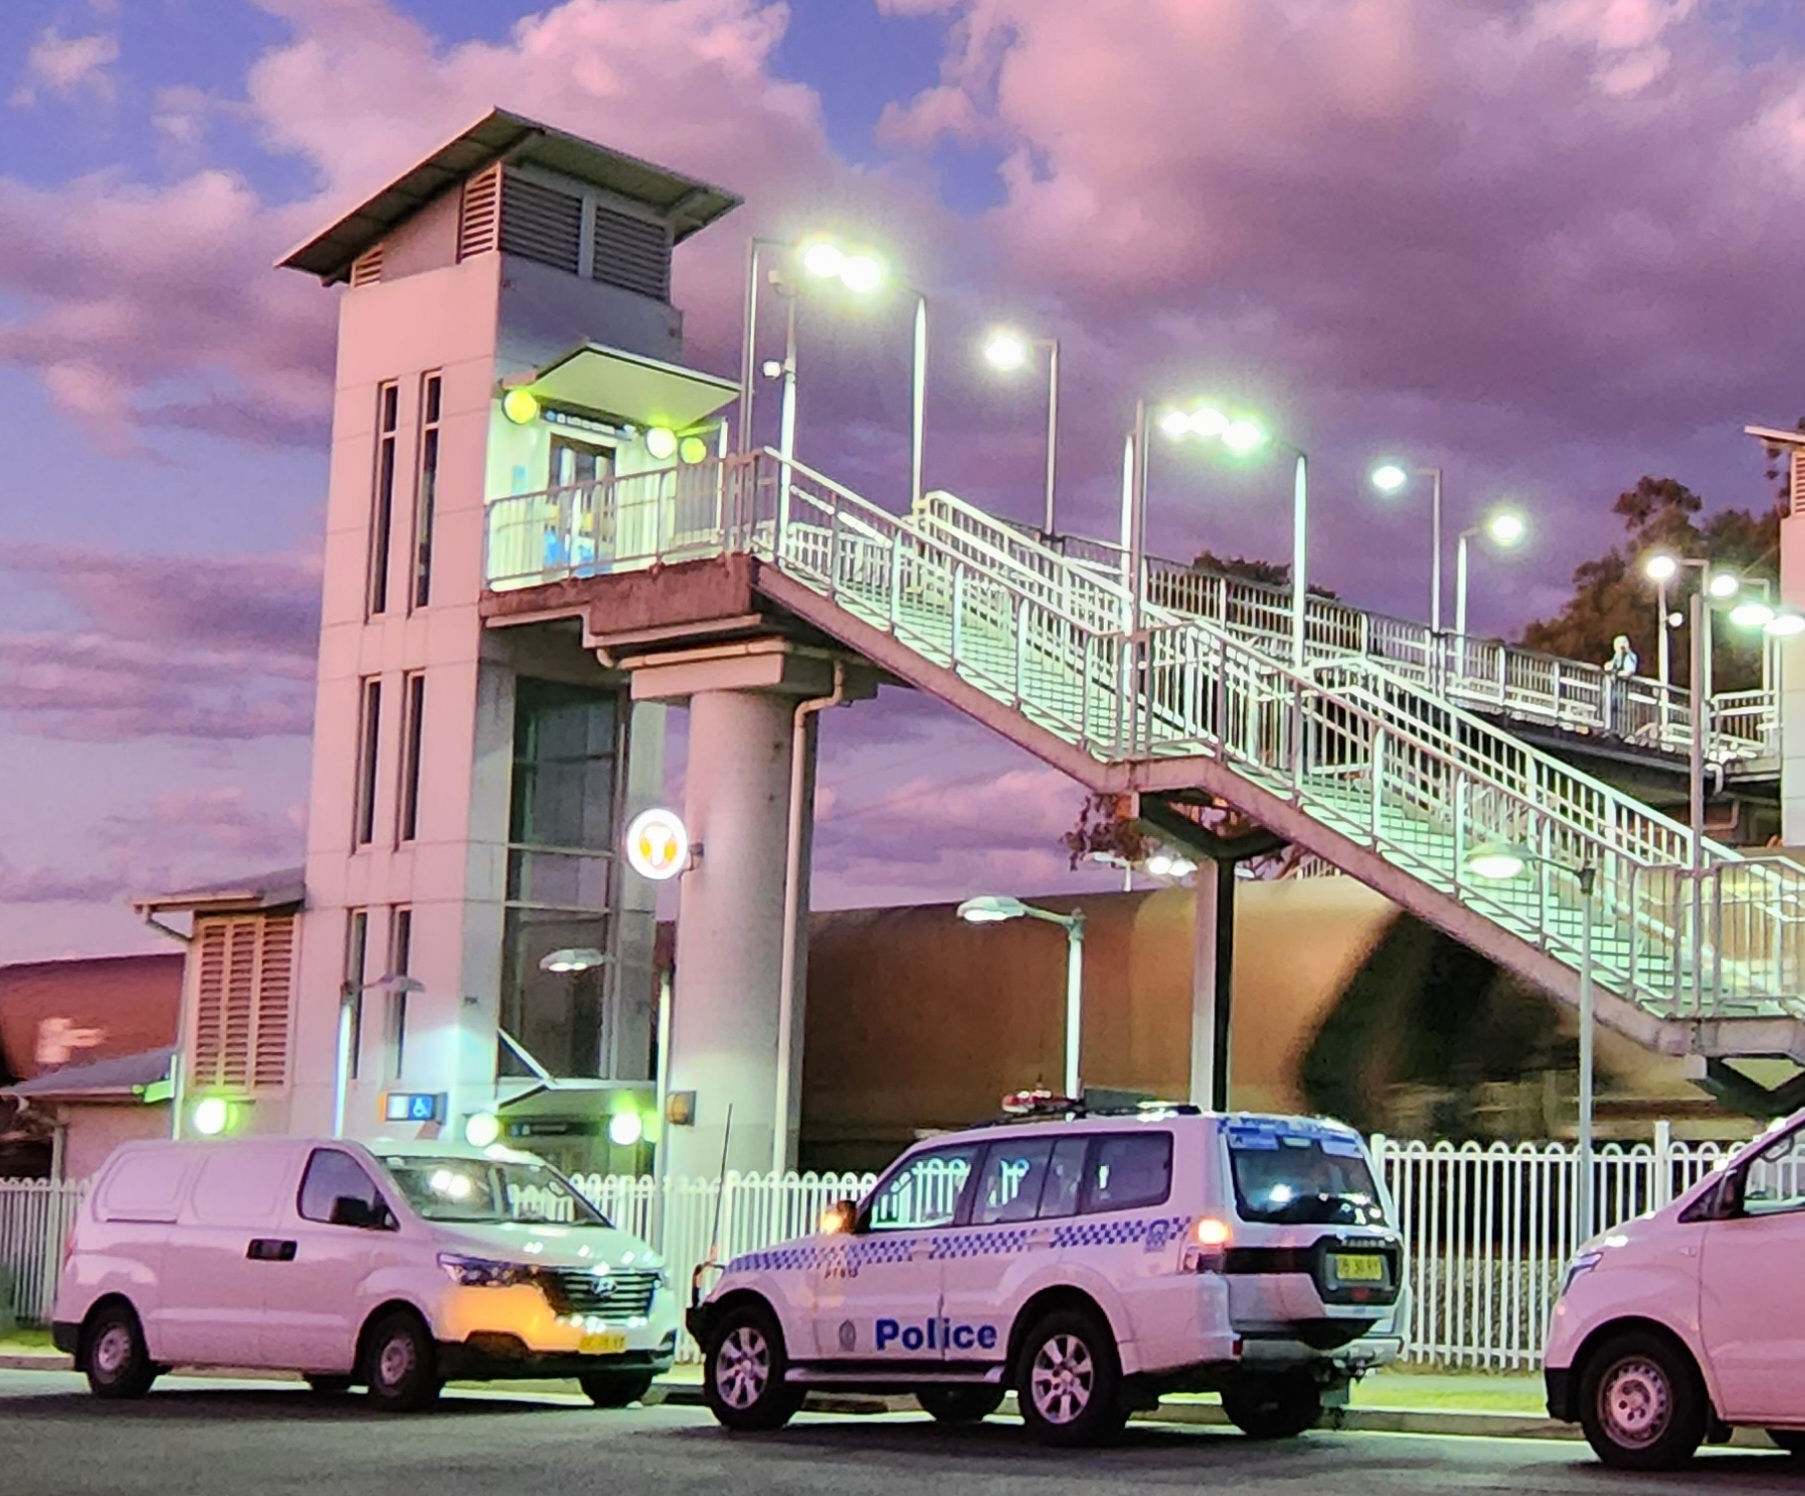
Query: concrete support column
{"x":1790,"y":657}
{"x":724,"y":1017}
{"x":1212,"y":982}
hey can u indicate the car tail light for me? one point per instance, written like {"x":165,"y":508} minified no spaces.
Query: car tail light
{"x":1210,"y":1238}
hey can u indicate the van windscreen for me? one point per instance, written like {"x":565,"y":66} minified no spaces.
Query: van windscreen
{"x":1308,"y":1175}
{"x":483,"y":1191}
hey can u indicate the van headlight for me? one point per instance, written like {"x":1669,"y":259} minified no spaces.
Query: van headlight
{"x":485,"y":1272}
{"x":1579,"y":1266}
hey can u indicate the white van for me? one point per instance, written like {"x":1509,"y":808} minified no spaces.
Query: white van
{"x":395,"y":1265}
{"x":1090,"y":1261}
{"x":1674,"y":1328}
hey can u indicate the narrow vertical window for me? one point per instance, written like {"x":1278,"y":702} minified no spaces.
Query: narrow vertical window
{"x":413,"y":709}
{"x":426,"y":487}
{"x":382,"y":511}
{"x":369,"y":734}
{"x":357,"y":943}
{"x":401,"y":940}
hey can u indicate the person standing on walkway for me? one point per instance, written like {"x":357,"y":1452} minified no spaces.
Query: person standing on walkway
{"x":1619,"y":671}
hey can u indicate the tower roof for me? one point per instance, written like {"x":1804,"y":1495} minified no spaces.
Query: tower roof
{"x":688,"y":204}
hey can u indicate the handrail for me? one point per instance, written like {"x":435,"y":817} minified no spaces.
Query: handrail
{"x":1523,"y":683}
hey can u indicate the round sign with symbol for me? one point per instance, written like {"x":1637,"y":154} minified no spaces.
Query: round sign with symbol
{"x":657,"y":844}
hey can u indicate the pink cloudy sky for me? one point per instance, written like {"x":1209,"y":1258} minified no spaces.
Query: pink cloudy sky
{"x":1550,"y":244}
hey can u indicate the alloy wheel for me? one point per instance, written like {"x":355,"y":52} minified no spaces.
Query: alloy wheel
{"x":1063,"y":1378}
{"x":743,"y":1367}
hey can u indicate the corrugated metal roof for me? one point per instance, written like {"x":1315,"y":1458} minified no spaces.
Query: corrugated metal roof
{"x":688,"y":204}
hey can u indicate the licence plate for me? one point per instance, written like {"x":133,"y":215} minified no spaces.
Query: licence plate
{"x":1359,"y":1267}
{"x":610,"y":1343}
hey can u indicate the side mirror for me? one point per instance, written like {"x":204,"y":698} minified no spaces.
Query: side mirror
{"x":840,"y":1219}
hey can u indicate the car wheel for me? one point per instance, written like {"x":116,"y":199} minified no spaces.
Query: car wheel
{"x":1641,"y":1404}
{"x":959,"y":1404}
{"x":743,"y":1372}
{"x":328,"y":1385}
{"x":1279,"y":1407}
{"x":400,"y":1364}
{"x":1792,"y":1440}
{"x":114,"y":1356}
{"x":615,"y":1389}
{"x":1069,"y":1380}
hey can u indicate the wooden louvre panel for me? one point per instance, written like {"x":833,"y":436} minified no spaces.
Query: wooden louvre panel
{"x":479,"y":213}
{"x":1797,"y":474}
{"x":366,"y":269}
{"x":632,"y":253}
{"x":242,"y":1002}
{"x":541,"y":223}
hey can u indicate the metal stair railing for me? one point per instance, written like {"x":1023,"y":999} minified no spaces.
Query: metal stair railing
{"x":1372,"y":756}
{"x":1483,"y":673}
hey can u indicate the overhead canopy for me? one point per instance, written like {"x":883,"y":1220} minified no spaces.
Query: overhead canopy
{"x":630,"y":387}
{"x":1775,"y":437}
{"x":138,"y":1076}
{"x":687,"y":204}
{"x":283,"y":889}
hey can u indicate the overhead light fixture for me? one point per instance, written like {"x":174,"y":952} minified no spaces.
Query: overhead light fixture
{"x":1005,"y":349}
{"x":1753,"y":614}
{"x":991,"y":909}
{"x":661,"y":442}
{"x":1723,"y":584}
{"x":521,"y":406}
{"x":1507,"y":527}
{"x":1661,"y":567}
{"x":571,"y":958}
{"x":482,"y":1130}
{"x":692,"y":449}
{"x":1497,"y":862}
{"x":1787,"y":625}
{"x":1390,"y":477}
{"x":211,"y":1116}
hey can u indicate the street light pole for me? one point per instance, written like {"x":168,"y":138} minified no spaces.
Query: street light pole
{"x":1435,"y":552}
{"x":1300,"y":514}
{"x":1587,"y":879}
{"x":1052,"y":426}
{"x":1074,"y":1001}
{"x":1664,"y":651}
{"x":918,"y":399}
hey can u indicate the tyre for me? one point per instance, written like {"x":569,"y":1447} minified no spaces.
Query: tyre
{"x":114,"y":1355}
{"x":1792,"y":1440}
{"x":1641,"y":1403}
{"x":1069,"y":1380}
{"x":327,"y":1385}
{"x":400,"y":1363}
{"x":615,"y":1389}
{"x":1280,"y":1407}
{"x":959,"y":1404}
{"x":743,"y":1372}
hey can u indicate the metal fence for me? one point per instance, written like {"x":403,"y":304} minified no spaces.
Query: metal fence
{"x":1487,"y":1230}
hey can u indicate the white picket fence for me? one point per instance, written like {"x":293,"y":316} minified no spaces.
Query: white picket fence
{"x":1488,"y":1230}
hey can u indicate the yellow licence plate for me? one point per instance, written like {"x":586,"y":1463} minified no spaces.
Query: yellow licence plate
{"x":1362,"y":1267}
{"x":609,"y":1343}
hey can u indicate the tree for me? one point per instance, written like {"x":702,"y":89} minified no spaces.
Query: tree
{"x":1265,"y":573}
{"x":1611,"y":595}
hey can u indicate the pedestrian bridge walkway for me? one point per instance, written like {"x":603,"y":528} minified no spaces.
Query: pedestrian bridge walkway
{"x":1358,"y":756}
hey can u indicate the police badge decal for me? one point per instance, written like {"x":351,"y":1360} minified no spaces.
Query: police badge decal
{"x":849,"y":1336}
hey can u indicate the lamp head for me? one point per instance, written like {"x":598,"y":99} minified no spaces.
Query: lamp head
{"x":1661,"y":567}
{"x":1244,"y":435}
{"x":1497,"y":862}
{"x":1723,"y":584}
{"x":1390,"y":477}
{"x":571,"y":958}
{"x":991,"y":909}
{"x":1005,"y":349}
{"x":1753,"y":614}
{"x":1507,"y":528}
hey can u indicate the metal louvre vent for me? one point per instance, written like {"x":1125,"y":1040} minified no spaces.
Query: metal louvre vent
{"x":1797,"y":475}
{"x":366,"y":269}
{"x":478,"y":214}
{"x":541,"y":223}
{"x":241,"y":1003}
{"x":632,"y":253}
{"x":621,"y":1295}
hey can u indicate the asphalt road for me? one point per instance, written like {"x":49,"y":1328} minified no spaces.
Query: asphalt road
{"x":198,"y":1438}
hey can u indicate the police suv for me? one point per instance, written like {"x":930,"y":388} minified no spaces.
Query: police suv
{"x":1089,"y":1262}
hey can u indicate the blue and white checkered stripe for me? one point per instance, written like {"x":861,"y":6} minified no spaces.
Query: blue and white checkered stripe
{"x":1150,"y":1233}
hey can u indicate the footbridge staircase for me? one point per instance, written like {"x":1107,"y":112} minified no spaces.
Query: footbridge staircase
{"x":1364,"y":763}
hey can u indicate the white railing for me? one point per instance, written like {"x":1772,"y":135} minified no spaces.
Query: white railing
{"x":1484,"y":674}
{"x":36,"y":1216}
{"x":1488,"y":1231}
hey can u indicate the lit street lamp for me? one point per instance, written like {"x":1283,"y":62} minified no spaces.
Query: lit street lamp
{"x":1008,"y":351}
{"x":994,"y":909}
{"x":1506,"y":529}
{"x":1393,"y":477}
{"x":1499,"y":862}
{"x":857,"y":271}
{"x":1240,"y":436}
{"x":348,"y":996}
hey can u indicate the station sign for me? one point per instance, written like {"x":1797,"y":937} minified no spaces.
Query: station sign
{"x":657,"y":844}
